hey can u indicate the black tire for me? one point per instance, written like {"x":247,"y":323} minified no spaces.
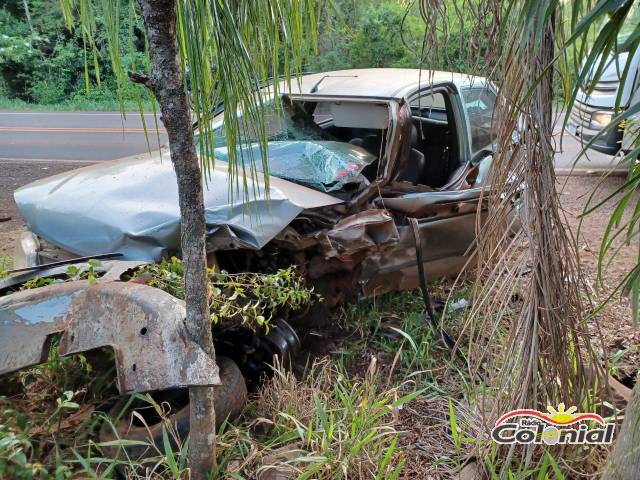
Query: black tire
{"x":230,"y":399}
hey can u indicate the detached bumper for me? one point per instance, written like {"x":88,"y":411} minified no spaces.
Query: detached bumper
{"x":144,"y":326}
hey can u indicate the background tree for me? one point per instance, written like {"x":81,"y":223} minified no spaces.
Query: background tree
{"x":42,"y":62}
{"x":228,"y":48}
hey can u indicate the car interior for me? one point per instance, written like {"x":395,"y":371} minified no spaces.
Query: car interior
{"x":434,"y":158}
{"x":360,"y":124}
{"x":434,"y":145}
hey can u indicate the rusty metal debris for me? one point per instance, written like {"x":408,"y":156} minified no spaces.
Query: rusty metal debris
{"x":142,"y":324}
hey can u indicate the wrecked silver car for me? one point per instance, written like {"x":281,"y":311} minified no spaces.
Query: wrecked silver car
{"x":353,"y":156}
{"x":367,"y":167}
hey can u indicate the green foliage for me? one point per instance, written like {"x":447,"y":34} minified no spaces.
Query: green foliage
{"x":37,"y":282}
{"x":43,"y":63}
{"x":6,"y":264}
{"x":367,"y":34}
{"x":249,"y":299}
{"x":49,"y":410}
{"x":15,"y":457}
{"x":394,"y":327}
{"x":383,"y":34}
{"x":329,"y":425}
{"x":83,"y":272}
{"x":77,"y":102}
{"x":86,"y":272}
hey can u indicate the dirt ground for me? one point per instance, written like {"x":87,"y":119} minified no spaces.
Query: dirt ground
{"x":16,"y":174}
{"x":621,"y":335}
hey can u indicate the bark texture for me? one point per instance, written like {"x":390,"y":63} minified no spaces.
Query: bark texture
{"x":166,"y":83}
{"x":624,"y":460}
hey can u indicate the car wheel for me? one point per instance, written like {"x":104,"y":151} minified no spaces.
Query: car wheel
{"x":230,"y":399}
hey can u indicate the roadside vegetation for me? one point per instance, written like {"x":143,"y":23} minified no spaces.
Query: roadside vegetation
{"x":332,"y":420}
{"x":74,"y":104}
{"x":42,"y":63}
{"x":383,"y":398}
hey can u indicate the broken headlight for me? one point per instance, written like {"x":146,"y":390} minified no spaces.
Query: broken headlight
{"x":26,"y":250}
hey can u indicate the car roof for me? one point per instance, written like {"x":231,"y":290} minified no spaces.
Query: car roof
{"x":378,"y":82}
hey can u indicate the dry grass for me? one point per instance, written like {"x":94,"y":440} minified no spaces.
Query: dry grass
{"x":325,"y":426}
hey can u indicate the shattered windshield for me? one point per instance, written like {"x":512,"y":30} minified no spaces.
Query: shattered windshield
{"x":321,"y":164}
{"x":298,"y":149}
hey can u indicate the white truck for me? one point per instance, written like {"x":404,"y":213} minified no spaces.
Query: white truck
{"x":595,"y":108}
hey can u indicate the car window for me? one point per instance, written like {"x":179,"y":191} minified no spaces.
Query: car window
{"x":430,"y":105}
{"x":429,"y":100}
{"x":479,"y":104}
{"x":280,"y":124}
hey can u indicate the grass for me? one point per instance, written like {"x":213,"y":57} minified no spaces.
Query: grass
{"x":393,"y":327}
{"x":77,"y":103}
{"x":325,"y":426}
{"x":6,"y":264}
{"x":394,"y":330}
{"x":442,"y":428}
{"x":390,"y":402}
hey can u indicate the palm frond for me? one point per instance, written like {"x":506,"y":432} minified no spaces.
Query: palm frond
{"x":229,"y":51}
{"x":526,"y":333}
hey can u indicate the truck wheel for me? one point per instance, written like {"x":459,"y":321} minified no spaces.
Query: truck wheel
{"x":230,"y":399}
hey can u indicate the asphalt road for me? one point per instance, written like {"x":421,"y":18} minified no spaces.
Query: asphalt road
{"x":97,"y":136}
{"x":568,"y":149}
{"x":75,"y":136}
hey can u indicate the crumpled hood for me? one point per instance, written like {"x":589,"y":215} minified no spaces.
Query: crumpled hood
{"x":131,"y":206}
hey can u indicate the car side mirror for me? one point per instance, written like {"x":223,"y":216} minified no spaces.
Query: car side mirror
{"x":482,"y":160}
{"x":481,"y":155}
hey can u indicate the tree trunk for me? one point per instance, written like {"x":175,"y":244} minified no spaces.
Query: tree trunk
{"x":166,"y":83}
{"x":624,"y":460}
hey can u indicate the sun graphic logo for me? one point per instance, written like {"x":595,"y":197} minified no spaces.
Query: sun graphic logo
{"x":556,"y":425}
{"x":562,"y":416}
